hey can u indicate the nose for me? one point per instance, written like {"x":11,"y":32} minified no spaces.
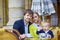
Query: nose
{"x":35,"y":18}
{"x":28,"y":17}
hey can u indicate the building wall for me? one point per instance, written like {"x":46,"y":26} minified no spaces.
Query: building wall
{"x":1,"y":13}
{"x":14,"y":10}
{"x":59,"y":11}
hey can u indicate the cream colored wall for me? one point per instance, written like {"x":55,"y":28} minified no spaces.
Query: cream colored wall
{"x":1,"y":13}
{"x":15,"y":10}
{"x":28,"y":4}
{"x":5,"y":12}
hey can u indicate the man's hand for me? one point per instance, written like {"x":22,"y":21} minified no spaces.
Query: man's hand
{"x":22,"y":36}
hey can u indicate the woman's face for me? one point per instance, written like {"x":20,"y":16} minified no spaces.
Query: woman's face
{"x":35,"y":18}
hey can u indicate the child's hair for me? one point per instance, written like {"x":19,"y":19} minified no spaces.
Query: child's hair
{"x":45,"y":22}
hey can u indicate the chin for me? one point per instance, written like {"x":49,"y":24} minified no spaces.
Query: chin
{"x":28,"y":21}
{"x":35,"y":22}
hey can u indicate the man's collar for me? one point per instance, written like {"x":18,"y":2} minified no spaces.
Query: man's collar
{"x":25,"y":23}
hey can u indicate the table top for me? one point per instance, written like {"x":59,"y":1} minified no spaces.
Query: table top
{"x":37,"y":39}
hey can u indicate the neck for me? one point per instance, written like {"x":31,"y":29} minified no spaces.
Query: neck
{"x":37,"y":23}
{"x":25,"y":22}
{"x":45,"y":30}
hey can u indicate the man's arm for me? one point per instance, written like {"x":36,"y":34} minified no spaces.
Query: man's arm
{"x":16,"y":25}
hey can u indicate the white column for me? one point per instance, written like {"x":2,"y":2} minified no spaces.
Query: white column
{"x":16,"y":8}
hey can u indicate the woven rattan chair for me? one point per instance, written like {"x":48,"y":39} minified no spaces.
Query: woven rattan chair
{"x":8,"y":34}
{"x":55,"y":32}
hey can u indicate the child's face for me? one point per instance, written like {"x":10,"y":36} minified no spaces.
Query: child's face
{"x":45,"y":26}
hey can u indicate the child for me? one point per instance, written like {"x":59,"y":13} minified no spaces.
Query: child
{"x":45,"y":29}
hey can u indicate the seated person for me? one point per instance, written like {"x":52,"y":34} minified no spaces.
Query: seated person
{"x":23,"y":24}
{"x":35,"y":25}
{"x":45,"y":31}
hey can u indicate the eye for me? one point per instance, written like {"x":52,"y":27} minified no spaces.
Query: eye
{"x":27,"y":15}
{"x":35,"y":16}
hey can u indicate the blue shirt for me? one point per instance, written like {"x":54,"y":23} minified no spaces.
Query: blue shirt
{"x":26,"y":29}
{"x":49,"y":32}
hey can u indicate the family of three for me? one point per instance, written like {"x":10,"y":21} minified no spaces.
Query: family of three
{"x":31,"y":26}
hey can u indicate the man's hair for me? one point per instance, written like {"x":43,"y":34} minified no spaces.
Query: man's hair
{"x":28,"y":11}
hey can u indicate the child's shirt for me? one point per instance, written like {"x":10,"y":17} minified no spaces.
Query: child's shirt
{"x":48,"y":32}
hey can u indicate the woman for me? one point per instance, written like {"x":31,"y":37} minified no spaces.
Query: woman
{"x":36,"y":25}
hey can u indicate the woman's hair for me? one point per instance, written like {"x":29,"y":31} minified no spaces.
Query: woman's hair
{"x":37,"y":13}
{"x":38,"y":16}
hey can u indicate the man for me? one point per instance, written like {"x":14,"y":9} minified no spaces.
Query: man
{"x":23,"y":25}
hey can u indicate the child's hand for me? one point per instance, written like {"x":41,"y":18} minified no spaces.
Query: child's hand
{"x":49,"y":36}
{"x":39,"y":28}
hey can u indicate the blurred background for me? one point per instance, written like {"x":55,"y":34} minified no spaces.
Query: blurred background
{"x":12,"y":10}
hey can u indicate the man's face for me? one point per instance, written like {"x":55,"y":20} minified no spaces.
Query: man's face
{"x":27,"y":17}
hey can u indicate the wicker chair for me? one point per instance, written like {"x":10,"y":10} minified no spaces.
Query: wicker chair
{"x":8,"y":34}
{"x":55,"y":32}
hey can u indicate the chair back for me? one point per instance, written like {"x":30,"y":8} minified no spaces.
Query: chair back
{"x":7,"y":34}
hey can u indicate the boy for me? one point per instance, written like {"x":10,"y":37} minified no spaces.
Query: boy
{"x":45,"y":31}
